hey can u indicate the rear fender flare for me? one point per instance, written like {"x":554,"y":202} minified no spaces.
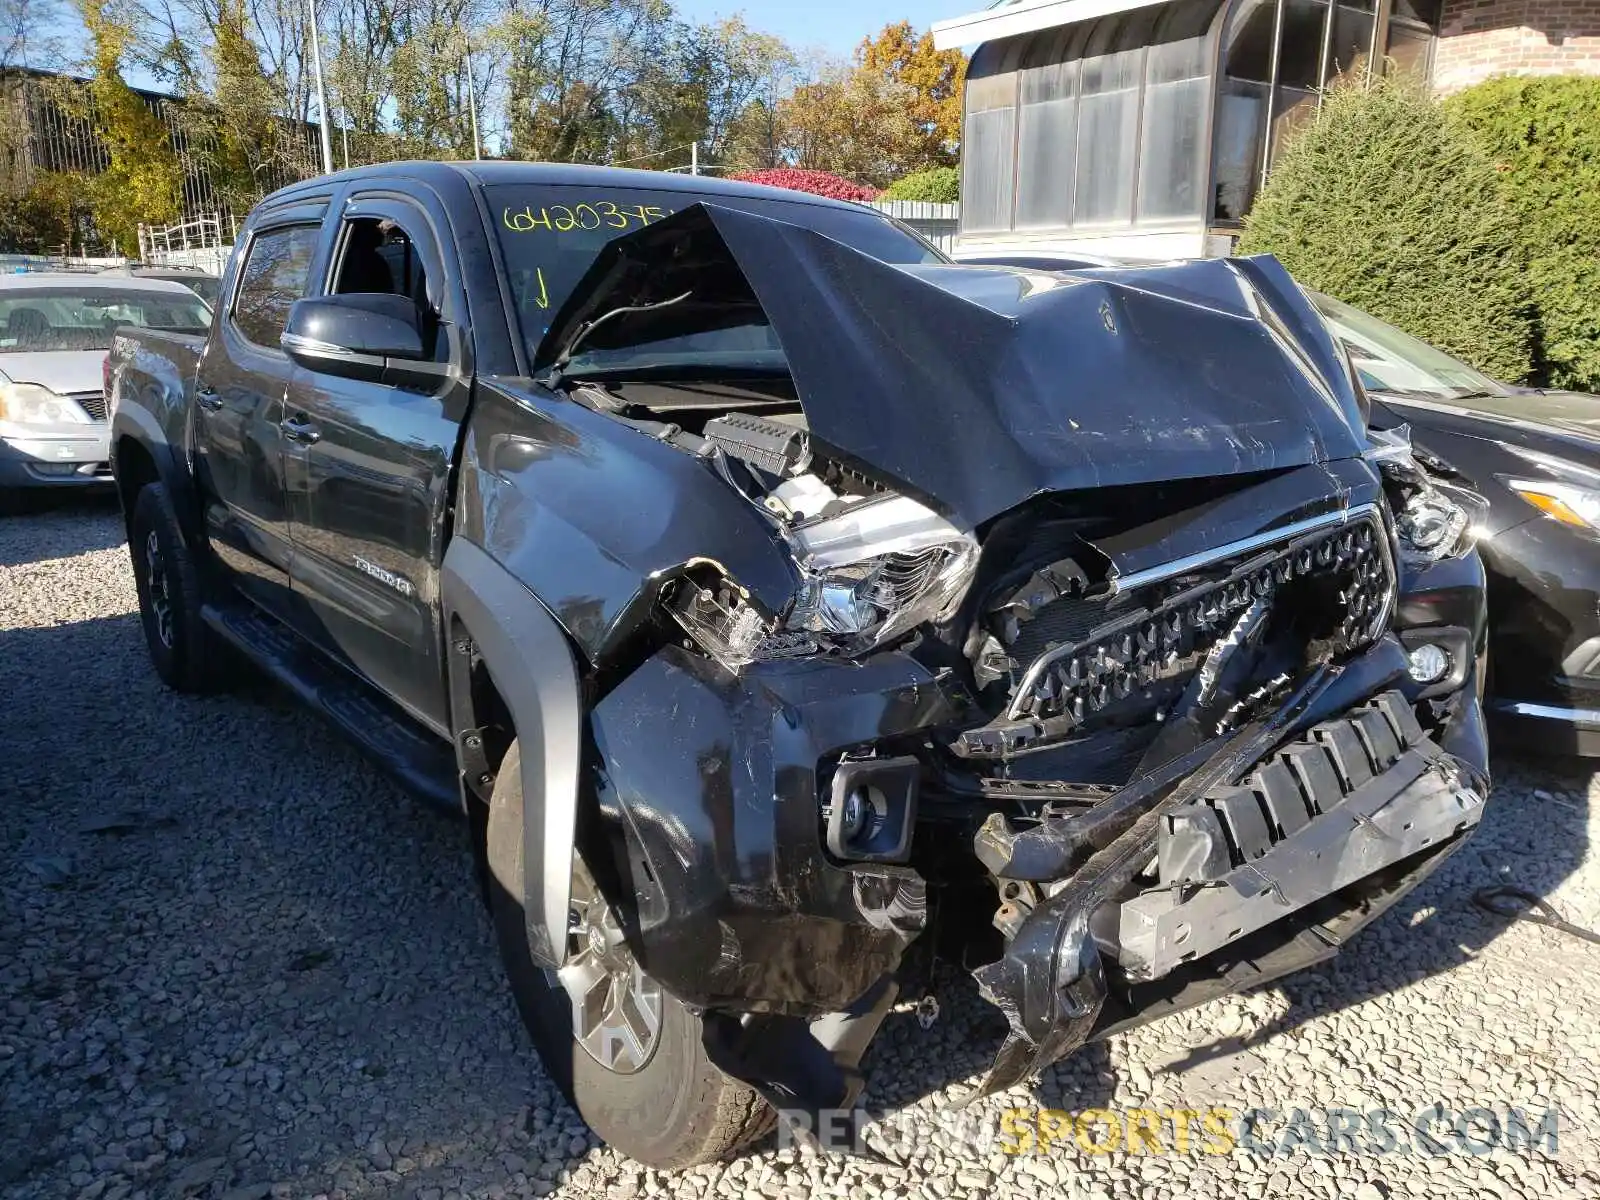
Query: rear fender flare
{"x":135,"y":424}
{"x":528,"y":658}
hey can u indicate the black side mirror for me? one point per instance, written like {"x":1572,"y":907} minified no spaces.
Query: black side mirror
{"x":372,"y":336}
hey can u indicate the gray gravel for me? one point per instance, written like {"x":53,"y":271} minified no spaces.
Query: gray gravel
{"x":236,"y":962}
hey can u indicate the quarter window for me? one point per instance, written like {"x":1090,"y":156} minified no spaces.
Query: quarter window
{"x":274,"y":277}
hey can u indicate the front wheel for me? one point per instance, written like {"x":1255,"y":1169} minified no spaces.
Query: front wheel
{"x":628,"y":1056}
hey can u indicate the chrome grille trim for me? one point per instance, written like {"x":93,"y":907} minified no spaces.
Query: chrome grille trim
{"x":1037,"y":689}
{"x":1259,"y":541}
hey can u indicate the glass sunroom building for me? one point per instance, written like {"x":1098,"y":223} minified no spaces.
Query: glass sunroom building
{"x":1145,"y":129}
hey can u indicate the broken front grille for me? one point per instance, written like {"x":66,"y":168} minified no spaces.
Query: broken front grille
{"x":1081,"y":661}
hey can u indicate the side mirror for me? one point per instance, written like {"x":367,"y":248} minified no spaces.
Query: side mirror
{"x":374,"y":336}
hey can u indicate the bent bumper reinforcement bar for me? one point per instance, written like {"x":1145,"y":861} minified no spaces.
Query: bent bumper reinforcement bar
{"x":1414,"y":803}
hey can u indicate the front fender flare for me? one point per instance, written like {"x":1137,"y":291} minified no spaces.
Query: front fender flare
{"x":527,"y":656}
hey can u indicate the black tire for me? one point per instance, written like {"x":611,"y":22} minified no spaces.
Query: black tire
{"x":677,"y":1109}
{"x":184,"y":651}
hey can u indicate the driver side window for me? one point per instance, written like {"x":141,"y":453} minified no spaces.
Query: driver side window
{"x":378,"y":257}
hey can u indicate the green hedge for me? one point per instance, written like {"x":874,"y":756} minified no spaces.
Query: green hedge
{"x":1384,"y":203}
{"x":936,"y":185}
{"x":1543,"y":136}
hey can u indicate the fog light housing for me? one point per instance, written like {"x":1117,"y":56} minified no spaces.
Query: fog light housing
{"x":871,"y":809}
{"x":1429,"y":663}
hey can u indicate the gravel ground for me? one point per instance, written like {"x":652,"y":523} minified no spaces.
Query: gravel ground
{"x":236,"y":962}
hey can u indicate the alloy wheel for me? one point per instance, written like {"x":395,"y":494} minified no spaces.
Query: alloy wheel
{"x":157,"y":588}
{"x":616,"y":1007}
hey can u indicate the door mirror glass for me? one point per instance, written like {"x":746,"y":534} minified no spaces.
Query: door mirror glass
{"x":356,"y":336}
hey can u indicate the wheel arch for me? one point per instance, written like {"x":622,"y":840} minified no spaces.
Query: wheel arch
{"x":499,"y":629}
{"x":135,"y":468}
{"x":140,"y":455}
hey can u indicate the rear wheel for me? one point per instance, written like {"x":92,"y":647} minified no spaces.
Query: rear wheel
{"x":627,"y":1054}
{"x":182,"y":647}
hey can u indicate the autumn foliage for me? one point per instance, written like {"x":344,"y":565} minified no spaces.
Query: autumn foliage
{"x":894,"y":109}
{"x":818,"y":183}
{"x":638,"y":83}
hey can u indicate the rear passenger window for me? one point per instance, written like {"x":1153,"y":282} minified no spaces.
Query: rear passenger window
{"x":274,"y":277}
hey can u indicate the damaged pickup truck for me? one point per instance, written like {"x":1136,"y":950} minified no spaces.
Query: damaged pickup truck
{"x":771,"y":593}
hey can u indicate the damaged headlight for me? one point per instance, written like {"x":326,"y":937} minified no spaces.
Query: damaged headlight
{"x":877,"y":570}
{"x":869,"y":574}
{"x":1434,"y":520}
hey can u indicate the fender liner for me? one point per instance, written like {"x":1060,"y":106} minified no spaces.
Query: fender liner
{"x":527,"y":656}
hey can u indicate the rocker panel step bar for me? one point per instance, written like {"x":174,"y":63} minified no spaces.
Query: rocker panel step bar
{"x":413,"y":757}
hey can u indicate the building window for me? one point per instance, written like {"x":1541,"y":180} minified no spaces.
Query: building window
{"x":1120,"y":120}
{"x":1097,"y":124}
{"x":1410,"y":49}
{"x":1351,"y":47}
{"x":1047,"y":133}
{"x":1172,"y":158}
{"x":1108,"y":123}
{"x":1317,"y":44}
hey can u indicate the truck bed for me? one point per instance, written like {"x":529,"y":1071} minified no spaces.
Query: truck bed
{"x":155,"y":371}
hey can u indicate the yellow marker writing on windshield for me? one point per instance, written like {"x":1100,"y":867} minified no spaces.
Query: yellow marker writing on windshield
{"x":543,"y":299}
{"x":565,"y":218}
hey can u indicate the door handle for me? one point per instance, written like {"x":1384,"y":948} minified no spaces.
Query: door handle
{"x":208,"y":398}
{"x":301,"y":428}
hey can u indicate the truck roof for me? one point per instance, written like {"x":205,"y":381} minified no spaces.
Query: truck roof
{"x":571,"y":174}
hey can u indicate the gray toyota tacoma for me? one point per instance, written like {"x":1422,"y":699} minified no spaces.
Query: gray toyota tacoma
{"x":770,"y":593}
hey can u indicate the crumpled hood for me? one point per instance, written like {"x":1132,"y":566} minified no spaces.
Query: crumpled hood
{"x":978,"y":386}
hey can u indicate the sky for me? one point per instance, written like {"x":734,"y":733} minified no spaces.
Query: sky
{"x":833,"y":26}
{"x":836,"y":26}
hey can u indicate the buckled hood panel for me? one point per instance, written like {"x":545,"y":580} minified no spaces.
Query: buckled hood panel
{"x":977,"y":387}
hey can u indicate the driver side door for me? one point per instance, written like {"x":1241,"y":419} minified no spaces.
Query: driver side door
{"x":368,"y":464}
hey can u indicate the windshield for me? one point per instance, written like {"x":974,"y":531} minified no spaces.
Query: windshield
{"x":550,"y":235}
{"x":1391,"y":361}
{"x":67,"y":318}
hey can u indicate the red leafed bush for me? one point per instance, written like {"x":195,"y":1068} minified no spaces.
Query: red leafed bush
{"x":818,"y":183}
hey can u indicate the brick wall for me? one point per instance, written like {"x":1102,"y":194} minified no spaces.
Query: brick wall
{"x":1479,"y":38}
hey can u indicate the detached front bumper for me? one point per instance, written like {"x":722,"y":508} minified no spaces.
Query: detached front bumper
{"x":722,"y":790}
{"x":1229,"y":888}
{"x":715,"y":784}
